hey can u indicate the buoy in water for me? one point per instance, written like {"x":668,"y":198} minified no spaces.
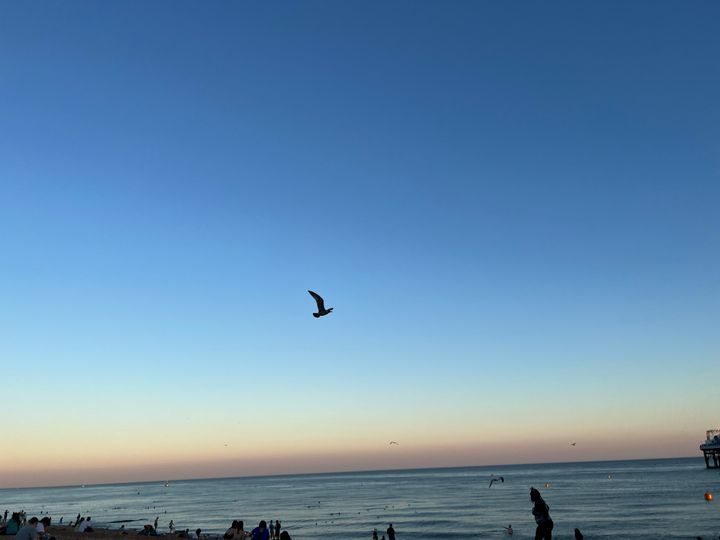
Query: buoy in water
{"x":708,"y":496}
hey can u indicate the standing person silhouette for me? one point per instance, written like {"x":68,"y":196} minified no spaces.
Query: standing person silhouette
{"x":390,"y":532}
{"x":261,"y":532}
{"x":541,"y":512}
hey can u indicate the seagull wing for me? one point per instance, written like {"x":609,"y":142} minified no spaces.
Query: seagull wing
{"x":319,"y":300}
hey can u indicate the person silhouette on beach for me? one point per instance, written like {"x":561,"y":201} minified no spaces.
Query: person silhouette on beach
{"x":28,"y":531}
{"x":260,"y":532}
{"x":277,"y":529}
{"x":390,"y":532}
{"x":231,"y":532}
{"x":541,"y":513}
{"x":374,"y":536}
{"x":241,"y":534}
{"x":578,"y":535}
{"x":509,"y":529}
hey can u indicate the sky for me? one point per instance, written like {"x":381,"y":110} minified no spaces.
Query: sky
{"x":512,"y":207}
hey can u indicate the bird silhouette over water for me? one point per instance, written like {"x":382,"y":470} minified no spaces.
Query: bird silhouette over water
{"x":496,"y":479}
{"x":320,"y":305}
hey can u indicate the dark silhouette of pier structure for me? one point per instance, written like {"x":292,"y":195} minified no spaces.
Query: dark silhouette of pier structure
{"x":711,"y":449}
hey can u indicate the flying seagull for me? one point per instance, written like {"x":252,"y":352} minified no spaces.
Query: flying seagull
{"x":573,"y":444}
{"x":320,"y":304}
{"x":496,"y":479}
{"x":393,"y":442}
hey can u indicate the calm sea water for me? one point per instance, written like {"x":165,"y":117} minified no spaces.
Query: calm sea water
{"x":644,"y":499}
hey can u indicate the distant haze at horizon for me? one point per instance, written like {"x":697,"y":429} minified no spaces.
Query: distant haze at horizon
{"x":512,"y":208}
{"x":447,"y":456}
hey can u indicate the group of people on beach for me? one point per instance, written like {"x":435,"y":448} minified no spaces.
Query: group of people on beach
{"x":25,"y":529}
{"x":390,"y":532}
{"x":83,"y":524}
{"x":262,"y":532}
{"x":34,"y":529}
{"x":236,"y":531}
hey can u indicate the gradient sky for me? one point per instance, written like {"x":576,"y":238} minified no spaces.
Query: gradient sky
{"x":513,"y":207}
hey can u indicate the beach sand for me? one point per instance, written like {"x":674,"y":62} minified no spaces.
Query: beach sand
{"x":70,"y":533}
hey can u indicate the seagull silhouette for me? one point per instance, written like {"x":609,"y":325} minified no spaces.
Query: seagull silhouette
{"x":320,"y":304}
{"x":496,"y":479}
{"x":393,"y":442}
{"x":573,"y":444}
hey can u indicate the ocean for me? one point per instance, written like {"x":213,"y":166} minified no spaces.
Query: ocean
{"x":619,"y":499}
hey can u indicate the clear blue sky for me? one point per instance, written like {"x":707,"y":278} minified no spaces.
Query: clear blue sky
{"x":510,"y":205}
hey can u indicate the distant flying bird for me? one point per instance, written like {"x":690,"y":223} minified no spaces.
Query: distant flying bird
{"x":393,"y":442}
{"x":496,"y":479}
{"x":320,"y":305}
{"x":573,"y":444}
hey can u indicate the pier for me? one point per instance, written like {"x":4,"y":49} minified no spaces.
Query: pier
{"x":711,"y":449}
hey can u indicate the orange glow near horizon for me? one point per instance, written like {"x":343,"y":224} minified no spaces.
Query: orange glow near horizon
{"x":139,"y":466}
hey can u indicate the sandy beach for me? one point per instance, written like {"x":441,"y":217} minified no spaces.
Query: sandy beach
{"x":64,"y":532}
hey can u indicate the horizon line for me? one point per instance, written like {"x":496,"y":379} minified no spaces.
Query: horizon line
{"x":363,"y":471}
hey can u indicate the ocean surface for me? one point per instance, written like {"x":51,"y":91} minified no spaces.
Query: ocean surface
{"x":642,"y":499}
